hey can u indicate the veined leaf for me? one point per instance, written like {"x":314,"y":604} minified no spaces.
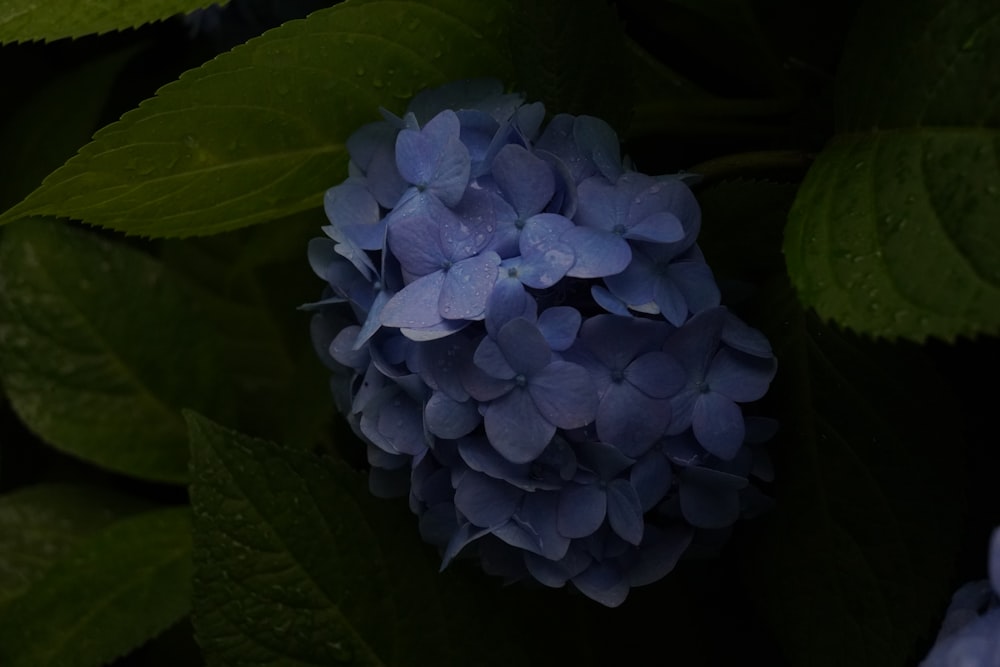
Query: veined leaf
{"x":258,"y":133}
{"x":108,"y":595}
{"x":295,"y":564}
{"x":100,"y":348}
{"x":39,"y":524}
{"x":894,"y":232}
{"x":30,"y":20}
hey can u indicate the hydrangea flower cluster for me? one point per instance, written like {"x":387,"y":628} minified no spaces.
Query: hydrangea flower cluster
{"x":970,"y":633}
{"x":539,"y":357}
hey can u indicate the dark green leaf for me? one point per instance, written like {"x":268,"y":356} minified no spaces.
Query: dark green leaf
{"x":100,"y":347}
{"x":259,"y":132}
{"x":295,"y":564}
{"x":108,"y":595}
{"x":29,"y":20}
{"x":895,"y":232}
{"x":39,"y":524}
{"x":50,"y":126}
{"x":572,"y":55}
{"x":853,"y":565}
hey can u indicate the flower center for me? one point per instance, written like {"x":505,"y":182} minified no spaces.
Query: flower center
{"x":520,"y":380}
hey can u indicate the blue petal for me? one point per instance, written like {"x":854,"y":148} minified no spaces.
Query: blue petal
{"x":709,"y":499}
{"x":486,"y":501}
{"x":656,"y":374}
{"x":515,"y":427}
{"x":434,"y":158}
{"x":477,"y":453}
{"x":467,"y":286}
{"x":353,"y":210}
{"x":447,"y":418}
{"x":651,"y":477}
{"x":635,"y":284}
{"x":696,"y":342}
{"x":555,"y":574}
{"x":415,"y":240}
{"x":625,"y":511}
{"x":416,"y":305}
{"x":662,"y":227}
{"x":694,"y":280}
{"x":717,"y":423}
{"x":582,"y":509}
{"x":630,"y":420}
{"x":507,"y":301}
{"x":464,"y":536}
{"x":609,"y":302}
{"x":559,"y":326}
{"x":434,"y":331}
{"x":599,"y":142}
{"x":537,"y":515}
{"x":523,"y":346}
{"x":491,"y":360}
{"x":739,"y":376}
{"x":525,"y":180}
{"x":738,"y":335}
{"x":598,"y":253}
{"x":603,"y":583}
{"x":564,"y":394}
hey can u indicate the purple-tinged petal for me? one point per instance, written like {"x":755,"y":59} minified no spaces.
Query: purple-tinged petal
{"x":597,"y":141}
{"x":695,"y":282}
{"x":609,"y":302}
{"x":555,"y":574}
{"x":740,"y":377}
{"x":737,"y":334}
{"x":682,"y":410}
{"x":559,"y":326}
{"x":695,"y":343}
{"x":486,"y":501}
{"x":651,"y":477}
{"x":343,"y":349}
{"x":537,"y":515}
{"x":477,"y":453}
{"x":434,"y":331}
{"x":491,"y":360}
{"x":564,"y":394}
{"x":598,"y":253}
{"x":656,"y":374}
{"x":630,"y":420}
{"x":670,"y":301}
{"x":415,"y":240}
{"x":718,"y":425}
{"x":601,"y":206}
{"x":447,"y":418}
{"x":603,"y":583}
{"x":582,"y":509}
{"x":635,"y":284}
{"x":467,"y":286}
{"x":525,"y":180}
{"x":523,"y":346}
{"x":463,"y":537}
{"x":416,"y":305}
{"x":401,"y":422}
{"x":434,"y":158}
{"x":373,"y":322}
{"x":507,"y":301}
{"x":661,"y":227}
{"x":625,"y":511}
{"x":483,"y":386}
{"x":515,"y":427}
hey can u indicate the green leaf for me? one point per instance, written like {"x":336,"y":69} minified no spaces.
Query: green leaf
{"x":853,"y":565}
{"x":100,"y":347}
{"x":296,"y":564}
{"x":40,"y":524}
{"x":52,"y":124}
{"x":894,"y":231}
{"x":30,"y":20}
{"x":258,"y":133}
{"x":553,"y":66}
{"x":110,"y":594}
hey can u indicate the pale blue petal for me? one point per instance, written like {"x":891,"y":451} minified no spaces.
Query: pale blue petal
{"x":598,"y":253}
{"x":597,"y":141}
{"x":662,"y":227}
{"x":559,"y":326}
{"x":467,"y":286}
{"x":525,"y":180}
{"x":609,"y":302}
{"x":415,"y":240}
{"x":416,"y":305}
{"x":507,"y":301}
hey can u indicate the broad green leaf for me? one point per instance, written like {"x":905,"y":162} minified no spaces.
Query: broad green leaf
{"x":30,"y":20}
{"x":51,"y":125}
{"x":100,"y":348}
{"x":108,"y":595}
{"x":895,"y":232}
{"x":853,"y":564}
{"x":39,"y":524}
{"x":295,"y":564}
{"x":552,"y":65}
{"x":259,"y":132}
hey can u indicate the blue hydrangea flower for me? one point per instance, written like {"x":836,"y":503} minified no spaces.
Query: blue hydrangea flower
{"x":534,"y":347}
{"x":970,"y":633}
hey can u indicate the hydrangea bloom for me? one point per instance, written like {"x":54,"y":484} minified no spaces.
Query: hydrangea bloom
{"x":970,"y":633}
{"x":539,"y":356}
